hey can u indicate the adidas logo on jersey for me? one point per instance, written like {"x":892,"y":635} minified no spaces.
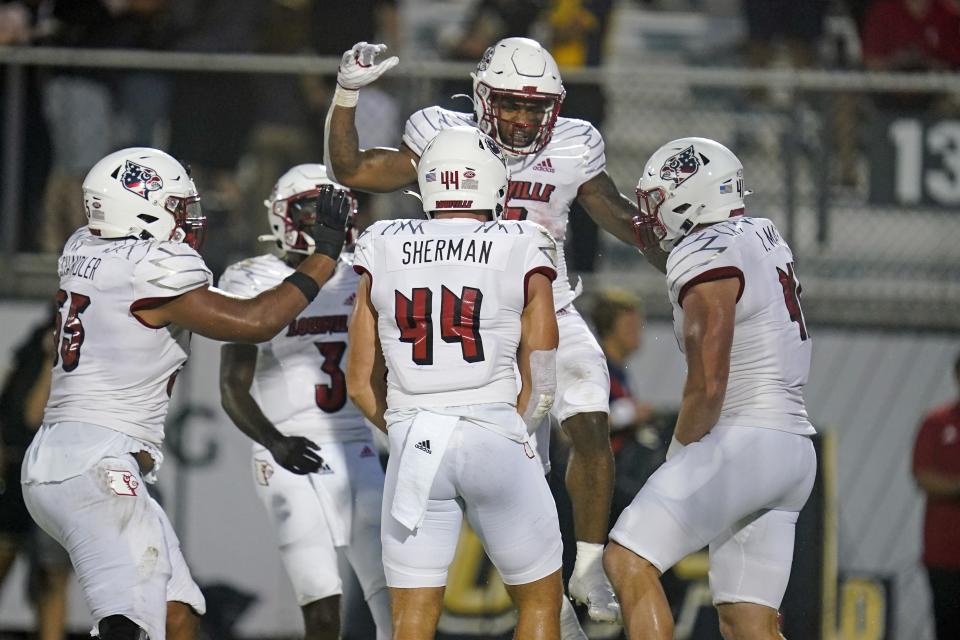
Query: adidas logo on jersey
{"x":424,"y":445}
{"x":544,"y":165}
{"x":350,"y":299}
{"x":367,"y":452}
{"x":324,"y":469}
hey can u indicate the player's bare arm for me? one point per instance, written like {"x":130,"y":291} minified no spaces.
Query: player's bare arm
{"x":220,"y":317}
{"x":538,"y":333}
{"x":366,"y":382}
{"x":709,"y":311}
{"x":614,"y":212}
{"x":380,"y":169}
{"x":238,"y":364}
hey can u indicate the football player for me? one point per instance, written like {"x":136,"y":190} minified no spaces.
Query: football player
{"x":450,"y":307}
{"x":291,"y":391}
{"x":132,"y":289}
{"x":741,"y":464}
{"x":517,"y":95}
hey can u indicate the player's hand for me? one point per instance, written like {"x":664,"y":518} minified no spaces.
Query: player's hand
{"x":334,"y":207}
{"x":359,"y":66}
{"x":297,"y":454}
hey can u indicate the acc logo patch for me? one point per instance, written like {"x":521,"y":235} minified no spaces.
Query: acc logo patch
{"x":140,"y":180}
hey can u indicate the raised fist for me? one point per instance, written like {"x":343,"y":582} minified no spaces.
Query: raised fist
{"x":359,"y":66}
{"x":334,"y":207}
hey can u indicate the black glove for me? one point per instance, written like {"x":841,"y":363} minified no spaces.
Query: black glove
{"x":334,"y":207}
{"x":297,"y":454}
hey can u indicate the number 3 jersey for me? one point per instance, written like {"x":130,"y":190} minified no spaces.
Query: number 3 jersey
{"x":299,"y":382}
{"x":543,"y":185}
{"x":112,"y":369}
{"x":449,"y":295}
{"x":770,"y":355}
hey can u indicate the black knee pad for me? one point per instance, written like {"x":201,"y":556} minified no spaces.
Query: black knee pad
{"x":120,"y":628}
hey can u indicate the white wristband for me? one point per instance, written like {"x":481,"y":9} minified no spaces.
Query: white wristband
{"x":346,"y":97}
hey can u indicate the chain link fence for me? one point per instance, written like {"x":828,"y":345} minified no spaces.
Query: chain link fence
{"x":861,"y":172}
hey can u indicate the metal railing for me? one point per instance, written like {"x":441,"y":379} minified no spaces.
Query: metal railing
{"x":863,"y":260}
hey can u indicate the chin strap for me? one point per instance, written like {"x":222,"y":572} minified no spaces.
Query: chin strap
{"x":543,"y":371}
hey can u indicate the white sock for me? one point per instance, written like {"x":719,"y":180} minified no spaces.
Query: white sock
{"x":569,"y":624}
{"x":379,"y":604}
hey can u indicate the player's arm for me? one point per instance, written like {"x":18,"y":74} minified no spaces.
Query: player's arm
{"x":709,"y":310}
{"x":258,"y":319}
{"x":614,"y":212}
{"x":380,"y":169}
{"x":221,"y":317}
{"x":931,"y":480}
{"x":536,"y":353}
{"x":366,"y":368}
{"x":238,"y":363}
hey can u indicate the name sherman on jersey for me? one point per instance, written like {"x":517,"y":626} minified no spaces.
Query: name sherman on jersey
{"x":450,"y":325}
{"x":299,"y":382}
{"x":111,"y":369}
{"x":542,"y":186}
{"x":770,"y":355}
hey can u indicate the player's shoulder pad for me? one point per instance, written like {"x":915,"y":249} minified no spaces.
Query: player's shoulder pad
{"x":713,"y":247}
{"x":537,"y":231}
{"x":576,"y":130}
{"x":170,"y":269}
{"x":249,"y":277}
{"x":423,"y":125}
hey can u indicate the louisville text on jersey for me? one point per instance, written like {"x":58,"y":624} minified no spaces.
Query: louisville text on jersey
{"x":314,"y":325}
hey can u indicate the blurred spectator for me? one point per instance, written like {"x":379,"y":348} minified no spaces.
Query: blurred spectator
{"x":911,"y":35}
{"x":22,"y":401}
{"x":211,"y":115}
{"x":68,"y":92}
{"x":798,"y":25}
{"x":490,"y":21}
{"x":578,"y":30}
{"x":936,"y":467}
{"x":18,"y":26}
{"x":290,"y":110}
{"x":637,"y":446}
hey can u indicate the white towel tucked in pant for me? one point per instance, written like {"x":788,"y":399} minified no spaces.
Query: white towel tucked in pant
{"x":420,"y":458}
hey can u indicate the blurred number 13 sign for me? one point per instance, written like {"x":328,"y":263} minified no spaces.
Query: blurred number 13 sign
{"x":915,"y":161}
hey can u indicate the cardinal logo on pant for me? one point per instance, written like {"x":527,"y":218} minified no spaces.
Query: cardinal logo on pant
{"x":122,"y":482}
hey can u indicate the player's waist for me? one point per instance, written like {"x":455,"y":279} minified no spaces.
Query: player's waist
{"x":498,"y":391}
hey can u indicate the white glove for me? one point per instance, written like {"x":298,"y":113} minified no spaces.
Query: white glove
{"x":359,"y":67}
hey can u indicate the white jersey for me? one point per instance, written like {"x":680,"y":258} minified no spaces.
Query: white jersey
{"x":542,"y":185}
{"x":449,"y":295}
{"x":770,"y":355}
{"x":112,"y":369}
{"x":299,"y":382}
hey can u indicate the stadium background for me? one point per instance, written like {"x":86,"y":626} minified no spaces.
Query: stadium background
{"x":877,"y":255}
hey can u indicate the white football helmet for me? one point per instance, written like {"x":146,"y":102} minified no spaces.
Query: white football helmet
{"x":688,"y":182}
{"x":463,"y":168}
{"x":522,"y":70}
{"x":143,"y":193}
{"x":292,"y":208}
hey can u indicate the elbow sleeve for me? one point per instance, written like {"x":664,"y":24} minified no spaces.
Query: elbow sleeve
{"x":543,"y":374}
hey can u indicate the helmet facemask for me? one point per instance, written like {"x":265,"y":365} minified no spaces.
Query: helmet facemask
{"x":521,"y":122}
{"x":191,"y":224}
